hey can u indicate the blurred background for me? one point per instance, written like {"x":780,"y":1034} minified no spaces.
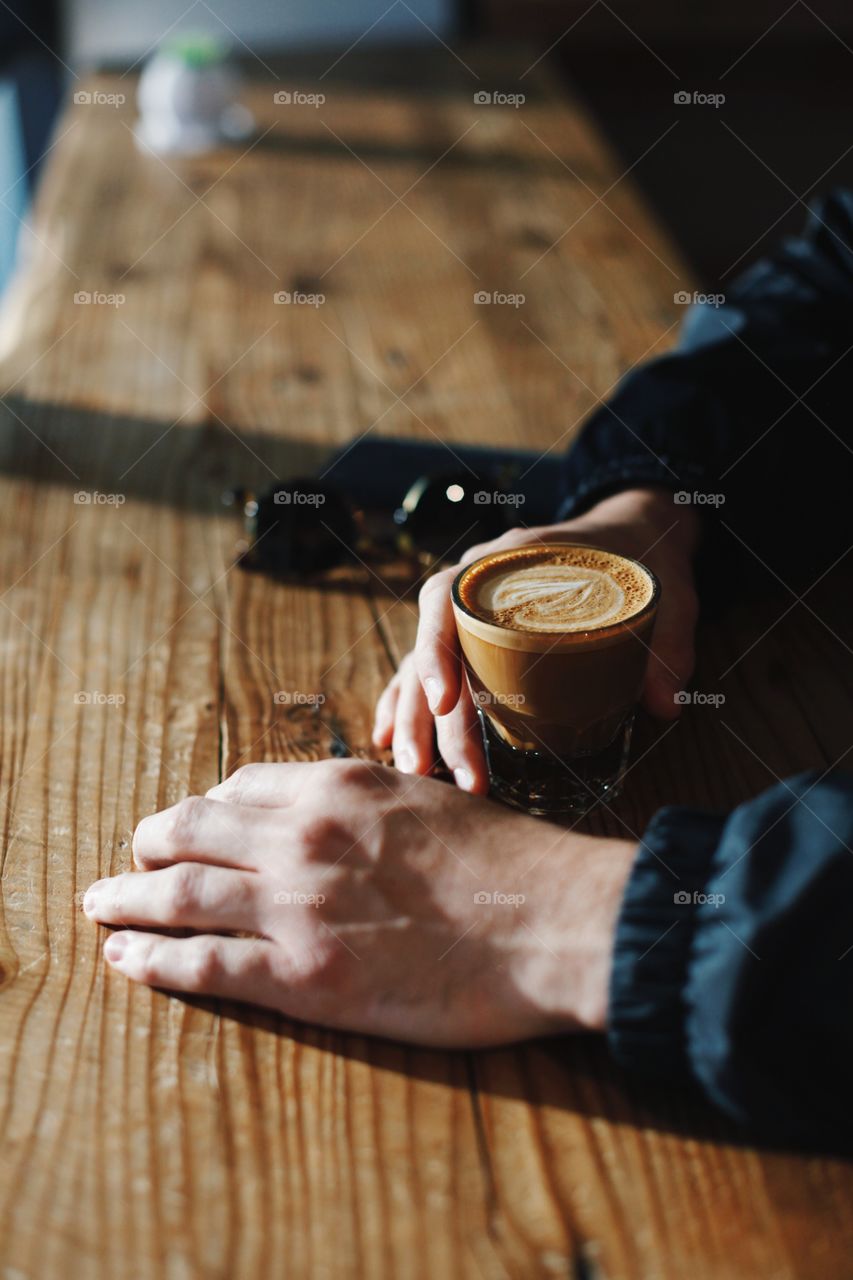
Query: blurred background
{"x":786,"y":71}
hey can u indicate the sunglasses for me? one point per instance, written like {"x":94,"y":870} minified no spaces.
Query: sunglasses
{"x":303,"y":526}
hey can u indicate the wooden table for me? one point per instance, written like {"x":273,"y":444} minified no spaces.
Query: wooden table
{"x":146,"y":1135}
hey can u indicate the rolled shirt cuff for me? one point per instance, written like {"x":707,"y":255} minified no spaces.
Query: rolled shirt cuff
{"x":654,"y":933}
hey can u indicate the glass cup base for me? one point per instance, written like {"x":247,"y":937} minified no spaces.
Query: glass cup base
{"x":546,"y":784}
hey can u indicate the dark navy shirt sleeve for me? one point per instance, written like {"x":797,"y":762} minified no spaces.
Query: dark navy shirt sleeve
{"x":750,"y":414}
{"x":733,"y":960}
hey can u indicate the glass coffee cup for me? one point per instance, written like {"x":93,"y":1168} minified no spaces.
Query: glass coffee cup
{"x":555,"y":640}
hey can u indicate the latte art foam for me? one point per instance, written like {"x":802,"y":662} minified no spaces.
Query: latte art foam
{"x":554,"y":597}
{"x":554,"y":590}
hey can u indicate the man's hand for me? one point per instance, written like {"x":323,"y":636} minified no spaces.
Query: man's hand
{"x":380,"y":903}
{"x":428,"y":700}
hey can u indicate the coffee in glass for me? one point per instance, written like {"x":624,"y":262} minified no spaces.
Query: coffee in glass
{"x":555,"y":639}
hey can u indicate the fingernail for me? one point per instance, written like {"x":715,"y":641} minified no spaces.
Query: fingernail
{"x":405,"y":761}
{"x":464,"y":779}
{"x":432,"y":689}
{"x":115,"y":946}
{"x":90,"y":901}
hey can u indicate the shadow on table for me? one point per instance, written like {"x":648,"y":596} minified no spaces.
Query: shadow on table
{"x":570,"y":1075}
{"x":185,"y":466}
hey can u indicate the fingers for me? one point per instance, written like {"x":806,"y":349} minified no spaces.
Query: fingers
{"x":672,"y":657}
{"x":187,"y":895}
{"x":386,"y":708}
{"x":413,"y":731}
{"x":201,"y":830}
{"x":262,"y":785}
{"x":460,"y":741}
{"x":231,"y":968}
{"x":437,"y":647}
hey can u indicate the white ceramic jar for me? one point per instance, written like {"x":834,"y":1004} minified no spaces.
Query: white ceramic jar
{"x":186,"y":97}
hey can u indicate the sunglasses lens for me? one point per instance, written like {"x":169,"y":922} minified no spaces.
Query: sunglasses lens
{"x":444,"y":514}
{"x":300,"y":527}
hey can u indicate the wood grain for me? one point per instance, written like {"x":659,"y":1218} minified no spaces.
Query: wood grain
{"x":146,"y":1136}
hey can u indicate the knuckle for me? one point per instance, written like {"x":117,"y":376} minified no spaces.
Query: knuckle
{"x":407,"y":666}
{"x":520,"y":537}
{"x":183,"y":822}
{"x":149,"y":965}
{"x":436,"y":585}
{"x":244,"y":778}
{"x":117,"y":897}
{"x":451,"y":742}
{"x":204,"y":963}
{"x":184,"y":889}
{"x":354,"y":772}
{"x":426,"y":593}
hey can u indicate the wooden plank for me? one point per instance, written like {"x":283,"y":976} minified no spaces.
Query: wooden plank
{"x":148,"y":1136}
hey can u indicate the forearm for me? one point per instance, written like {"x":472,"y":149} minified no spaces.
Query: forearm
{"x":729,"y":958}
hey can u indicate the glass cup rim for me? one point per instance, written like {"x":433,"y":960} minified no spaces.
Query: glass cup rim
{"x":590,"y":633}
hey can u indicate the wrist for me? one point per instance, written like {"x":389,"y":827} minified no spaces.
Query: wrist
{"x":573,"y":927}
